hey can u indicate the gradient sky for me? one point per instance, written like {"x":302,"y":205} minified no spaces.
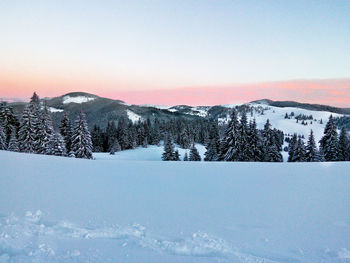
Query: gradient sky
{"x":175,"y":52}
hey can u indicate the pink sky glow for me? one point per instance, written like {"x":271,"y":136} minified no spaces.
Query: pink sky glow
{"x":331,"y":92}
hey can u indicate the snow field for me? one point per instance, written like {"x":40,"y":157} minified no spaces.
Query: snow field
{"x":55,"y":209}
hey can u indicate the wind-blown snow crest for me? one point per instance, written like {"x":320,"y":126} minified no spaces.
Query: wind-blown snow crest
{"x":77,"y":99}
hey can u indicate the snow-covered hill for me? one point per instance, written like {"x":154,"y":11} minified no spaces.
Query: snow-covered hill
{"x":55,"y":209}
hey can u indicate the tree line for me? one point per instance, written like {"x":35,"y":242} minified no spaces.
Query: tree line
{"x":241,"y":141}
{"x":33,"y":132}
{"x":332,"y":147}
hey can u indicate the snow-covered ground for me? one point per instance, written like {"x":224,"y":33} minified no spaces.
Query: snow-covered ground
{"x":151,"y":153}
{"x":133,"y":116}
{"x":290,"y":126}
{"x":55,"y":209}
{"x":274,"y":114}
{"x":76,"y":99}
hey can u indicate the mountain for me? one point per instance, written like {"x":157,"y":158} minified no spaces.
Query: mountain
{"x":101,"y":110}
{"x":306,"y":106}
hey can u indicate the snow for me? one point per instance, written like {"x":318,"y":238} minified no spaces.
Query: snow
{"x":56,"y":209}
{"x":151,"y":153}
{"x":52,"y":109}
{"x":76,"y":99}
{"x":289,"y":126}
{"x":133,"y":116}
{"x":161,"y":107}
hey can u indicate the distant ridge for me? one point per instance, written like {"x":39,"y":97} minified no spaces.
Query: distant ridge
{"x":306,"y":106}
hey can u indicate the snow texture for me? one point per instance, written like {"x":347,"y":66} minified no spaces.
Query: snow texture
{"x":77,"y":99}
{"x":133,"y":116}
{"x":56,"y":209}
{"x":52,"y":109}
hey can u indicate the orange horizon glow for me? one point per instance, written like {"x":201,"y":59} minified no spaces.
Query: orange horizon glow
{"x":335,"y":92}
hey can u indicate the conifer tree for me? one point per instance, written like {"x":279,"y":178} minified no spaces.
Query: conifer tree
{"x":194,"y":155}
{"x":44,"y":132}
{"x":299,"y":152}
{"x":229,"y":149}
{"x":242,"y":140}
{"x":66,"y":132}
{"x":254,"y":143}
{"x":213,"y":145}
{"x":186,"y":157}
{"x":176,"y":156}
{"x":81,"y":139}
{"x":168,"y":154}
{"x":344,"y":146}
{"x":329,"y":142}
{"x":57,"y":145}
{"x":13,"y":144}
{"x":115,"y":147}
{"x":2,"y":138}
{"x":312,"y":154}
{"x":291,"y":147}
{"x":27,"y":134}
{"x":270,"y":146}
{"x":9,"y":121}
{"x":211,"y":154}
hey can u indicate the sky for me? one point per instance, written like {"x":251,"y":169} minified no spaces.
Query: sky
{"x":177,"y":52}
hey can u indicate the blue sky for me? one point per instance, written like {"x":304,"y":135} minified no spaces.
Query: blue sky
{"x":133,"y":45}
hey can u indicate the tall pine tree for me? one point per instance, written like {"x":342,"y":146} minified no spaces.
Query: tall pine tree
{"x":81,"y":138}
{"x":344,"y":146}
{"x":229,"y":150}
{"x":27,"y":134}
{"x":312,"y":154}
{"x":194,"y":154}
{"x":169,"y":153}
{"x":66,"y":132}
{"x":329,"y":142}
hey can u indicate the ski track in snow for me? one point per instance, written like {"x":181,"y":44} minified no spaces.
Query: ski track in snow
{"x":24,"y":239}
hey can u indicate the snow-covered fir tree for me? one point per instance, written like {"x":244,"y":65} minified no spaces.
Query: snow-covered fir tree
{"x":213,"y":145}
{"x":66,"y":131}
{"x":299,"y":151}
{"x":270,"y":145}
{"x":115,"y":147}
{"x":3,"y":145}
{"x":13,"y":145}
{"x":186,"y":157}
{"x":291,"y":147}
{"x":44,"y":132}
{"x":229,"y":149}
{"x":57,"y":146}
{"x":194,"y":154}
{"x":27,"y":134}
{"x":254,"y":143}
{"x":329,"y":142}
{"x":242,"y":140}
{"x":176,"y":155}
{"x":35,"y":100}
{"x":169,"y":153}
{"x":81,"y":138}
{"x":312,"y":154}
{"x":9,"y":121}
{"x":344,"y":146}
